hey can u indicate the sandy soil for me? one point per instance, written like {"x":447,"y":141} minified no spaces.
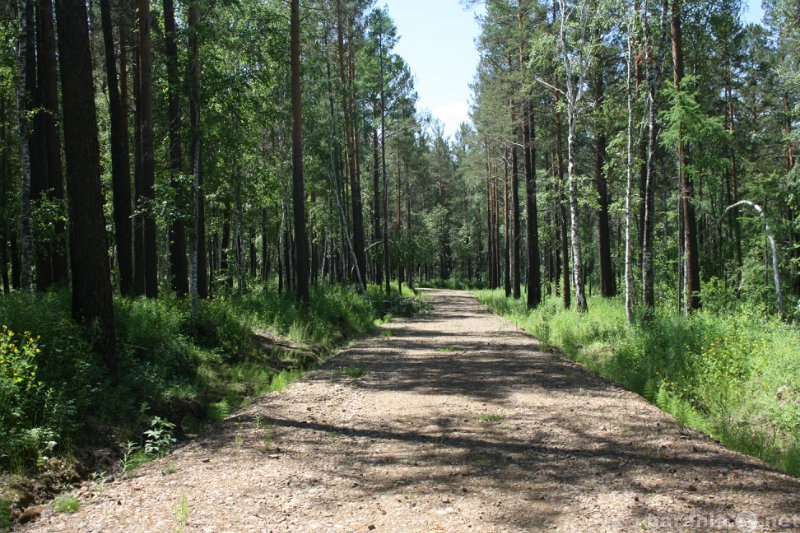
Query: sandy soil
{"x":460,"y":423}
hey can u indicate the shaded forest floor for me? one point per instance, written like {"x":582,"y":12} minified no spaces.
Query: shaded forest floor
{"x":452,"y":421}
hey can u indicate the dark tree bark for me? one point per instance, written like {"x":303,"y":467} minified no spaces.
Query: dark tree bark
{"x":25,"y":87}
{"x":298,"y":186}
{"x":199,"y":282}
{"x":607,"y":279}
{"x":36,"y":148}
{"x":120,"y":158}
{"x":5,"y":184}
{"x":377,"y":205}
{"x":48,"y":89}
{"x":533,"y":274}
{"x":92,"y":299}
{"x":179,"y":269}
{"x":145,"y":186}
{"x":507,"y":228}
{"x":515,"y":220}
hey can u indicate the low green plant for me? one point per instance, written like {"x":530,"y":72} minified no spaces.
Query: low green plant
{"x":159,"y":439}
{"x":268,"y":432}
{"x":66,"y":503}
{"x":354,"y":372}
{"x":283,"y":379}
{"x":218,"y":411}
{"x":6,"y":518}
{"x":181,"y":513}
{"x":491,"y":417}
{"x":132,"y":457}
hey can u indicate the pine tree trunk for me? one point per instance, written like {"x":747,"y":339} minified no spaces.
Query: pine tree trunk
{"x":533,"y":275}
{"x":24,"y":91}
{"x":92,"y":299}
{"x":377,"y":206}
{"x":346,"y":76}
{"x":120,"y":155}
{"x":5,"y":183}
{"x":515,"y":220}
{"x":177,"y":235}
{"x":507,"y":229}
{"x":691,"y":251}
{"x":53,"y":254}
{"x":607,"y":278}
{"x":146,"y":194}
{"x":298,"y":186}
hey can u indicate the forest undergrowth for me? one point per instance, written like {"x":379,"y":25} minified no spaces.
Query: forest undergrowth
{"x":733,"y":374}
{"x":175,"y":375}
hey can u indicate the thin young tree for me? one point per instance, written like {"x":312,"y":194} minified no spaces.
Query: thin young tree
{"x":574,"y":85}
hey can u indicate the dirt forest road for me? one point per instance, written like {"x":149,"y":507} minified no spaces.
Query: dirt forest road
{"x":461,"y":423}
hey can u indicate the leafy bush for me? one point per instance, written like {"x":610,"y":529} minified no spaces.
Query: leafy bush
{"x":29,"y":419}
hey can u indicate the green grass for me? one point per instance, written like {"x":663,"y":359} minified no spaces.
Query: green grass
{"x":733,"y":375}
{"x":354,"y":372}
{"x":491,"y":417}
{"x":6,"y":519}
{"x":66,"y":503}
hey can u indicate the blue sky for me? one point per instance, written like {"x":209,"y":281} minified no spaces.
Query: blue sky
{"x":437,"y":39}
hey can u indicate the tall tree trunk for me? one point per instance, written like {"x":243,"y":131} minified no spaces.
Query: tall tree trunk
{"x":533,"y":275}
{"x":92,"y":299}
{"x":5,"y":184}
{"x":146,"y":195}
{"x":515,"y":220}
{"x":54,"y":253}
{"x":298,"y":186}
{"x":653,"y":68}
{"x":490,"y":220}
{"x":507,"y":228}
{"x":629,"y":182}
{"x":346,"y":76}
{"x":377,"y":205}
{"x":177,"y":234}
{"x":120,"y":157}
{"x":24,"y":89}
{"x":607,"y":279}
{"x":198,"y":256}
{"x":384,"y":174}
{"x":562,"y":209}
{"x":574,"y":90}
{"x":691,"y":251}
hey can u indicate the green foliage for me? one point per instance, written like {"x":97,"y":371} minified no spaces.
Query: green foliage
{"x":732,"y":375}
{"x":354,"y":372}
{"x":66,"y":503}
{"x":57,"y":395}
{"x":159,"y":439}
{"x":6,"y":519}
